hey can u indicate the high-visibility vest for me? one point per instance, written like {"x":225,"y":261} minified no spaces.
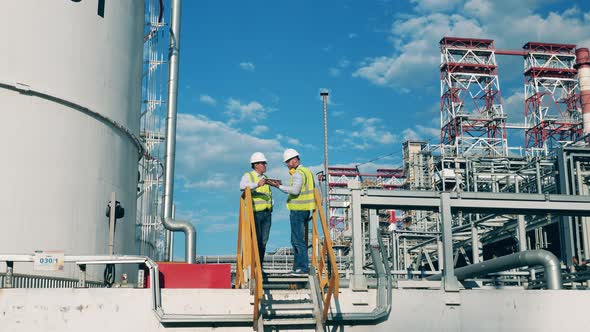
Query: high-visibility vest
{"x":261,"y":196}
{"x":305,"y":201}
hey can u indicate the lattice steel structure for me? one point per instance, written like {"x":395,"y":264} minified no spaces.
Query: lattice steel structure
{"x":552,"y":102}
{"x":339,"y":177}
{"x":472,"y":119}
{"x":150,"y":230}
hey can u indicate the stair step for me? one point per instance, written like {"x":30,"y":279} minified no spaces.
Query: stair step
{"x":290,"y":306}
{"x":288,"y":302}
{"x":285,"y":279}
{"x":289,"y":321}
{"x":287,"y":295}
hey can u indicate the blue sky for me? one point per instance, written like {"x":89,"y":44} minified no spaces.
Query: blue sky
{"x":251,"y":73}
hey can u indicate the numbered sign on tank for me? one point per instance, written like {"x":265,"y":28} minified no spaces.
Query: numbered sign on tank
{"x":48,"y":261}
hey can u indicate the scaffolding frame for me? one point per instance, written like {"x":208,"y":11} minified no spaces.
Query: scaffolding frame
{"x":150,"y":231}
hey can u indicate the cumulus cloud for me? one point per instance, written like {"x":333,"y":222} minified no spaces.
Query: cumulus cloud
{"x":213,"y":155}
{"x":260,"y":129}
{"x":513,"y":106}
{"x":367,"y":133}
{"x":414,"y":37}
{"x":252,"y":111}
{"x":207,"y":100}
{"x":213,"y":182}
{"x":435,"y":5}
{"x":247,"y":66}
{"x":293,"y":142}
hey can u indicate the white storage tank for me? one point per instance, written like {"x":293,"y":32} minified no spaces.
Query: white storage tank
{"x":70,"y":98}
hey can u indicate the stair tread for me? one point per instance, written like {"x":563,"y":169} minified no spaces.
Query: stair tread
{"x":286,"y":279}
{"x":293,"y":306}
{"x":300,"y":301}
{"x":289,"y":321}
{"x":289,"y":313}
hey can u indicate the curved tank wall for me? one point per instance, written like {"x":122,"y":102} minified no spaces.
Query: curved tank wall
{"x":62,"y":61}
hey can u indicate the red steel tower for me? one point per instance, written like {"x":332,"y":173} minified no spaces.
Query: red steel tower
{"x":551,"y":101}
{"x":472,"y":119}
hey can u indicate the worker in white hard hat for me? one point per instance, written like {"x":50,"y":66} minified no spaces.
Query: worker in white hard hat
{"x":300,"y":203}
{"x":261,"y":198}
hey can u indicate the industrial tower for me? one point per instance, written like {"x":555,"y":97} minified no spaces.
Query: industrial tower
{"x":552,"y":104}
{"x":472,"y":119}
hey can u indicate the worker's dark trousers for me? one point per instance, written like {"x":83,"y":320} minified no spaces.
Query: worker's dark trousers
{"x":298,"y":221}
{"x":262,"y":219}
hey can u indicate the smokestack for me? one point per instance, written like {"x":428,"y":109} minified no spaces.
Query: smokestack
{"x":583,"y":67}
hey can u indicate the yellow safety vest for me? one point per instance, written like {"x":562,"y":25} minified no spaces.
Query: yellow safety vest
{"x":305,"y":201}
{"x":261,"y":196}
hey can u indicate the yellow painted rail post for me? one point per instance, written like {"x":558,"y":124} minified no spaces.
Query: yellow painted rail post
{"x":332,"y":279}
{"x":247,"y":257}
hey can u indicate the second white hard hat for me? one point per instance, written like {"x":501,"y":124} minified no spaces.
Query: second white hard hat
{"x":257,"y":157}
{"x":290,"y":153}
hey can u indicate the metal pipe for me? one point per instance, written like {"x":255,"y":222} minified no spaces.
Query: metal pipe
{"x":583,"y":67}
{"x":173,"y":59}
{"x":520,"y":259}
{"x":384,"y":296}
{"x":324,"y":95}
{"x":521,"y":228}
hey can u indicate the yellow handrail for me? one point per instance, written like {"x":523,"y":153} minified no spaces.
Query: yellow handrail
{"x":322,"y":249}
{"x":247,"y":258}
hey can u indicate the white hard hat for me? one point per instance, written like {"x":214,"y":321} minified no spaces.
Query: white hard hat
{"x":257,"y":157}
{"x":290,"y":153}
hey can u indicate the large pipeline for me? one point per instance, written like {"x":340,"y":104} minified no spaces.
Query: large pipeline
{"x":583,"y":67}
{"x":524,"y":258}
{"x":168,"y":222}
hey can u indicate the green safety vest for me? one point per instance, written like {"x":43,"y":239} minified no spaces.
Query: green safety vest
{"x":261,"y":196}
{"x":305,"y":201}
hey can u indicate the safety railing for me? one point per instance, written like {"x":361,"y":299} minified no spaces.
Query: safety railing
{"x":323,"y":258}
{"x":13,"y":280}
{"x":35,"y":281}
{"x":248,"y":267}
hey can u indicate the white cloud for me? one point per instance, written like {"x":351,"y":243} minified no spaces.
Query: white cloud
{"x":212,"y":155}
{"x":428,"y":132}
{"x":213,"y":182}
{"x":208,"y":100}
{"x":513,"y":106}
{"x":260,"y":129}
{"x":367,"y":133}
{"x":252,"y":111}
{"x":247,"y":66}
{"x":294,"y":141}
{"x":415,"y":55}
{"x":420,"y":132}
{"x":435,"y":5}
{"x":352,"y":35}
{"x":410,"y":134}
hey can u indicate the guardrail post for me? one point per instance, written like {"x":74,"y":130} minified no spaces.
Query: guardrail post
{"x":141,"y":276}
{"x":450,"y":282}
{"x":9,"y":274}
{"x":82,"y":278}
{"x":359,"y":282}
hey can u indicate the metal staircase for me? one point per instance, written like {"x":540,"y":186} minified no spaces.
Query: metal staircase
{"x":282,"y":302}
{"x":290,"y":303}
